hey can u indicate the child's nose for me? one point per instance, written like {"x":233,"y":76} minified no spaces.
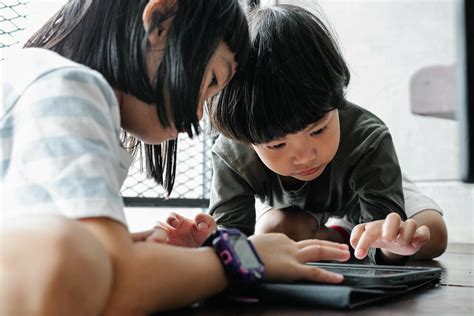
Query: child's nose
{"x":304,"y":155}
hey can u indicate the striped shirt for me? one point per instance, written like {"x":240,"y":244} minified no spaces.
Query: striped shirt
{"x":60,"y":132}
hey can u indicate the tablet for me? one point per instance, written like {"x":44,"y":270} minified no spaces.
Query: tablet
{"x":374,"y":275}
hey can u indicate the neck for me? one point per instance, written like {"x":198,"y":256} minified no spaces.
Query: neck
{"x":291,"y":184}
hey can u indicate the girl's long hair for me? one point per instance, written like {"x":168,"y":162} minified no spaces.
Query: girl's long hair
{"x":108,"y":36}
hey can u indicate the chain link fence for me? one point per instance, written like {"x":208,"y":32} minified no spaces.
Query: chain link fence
{"x":192,"y":183}
{"x":12,"y":21}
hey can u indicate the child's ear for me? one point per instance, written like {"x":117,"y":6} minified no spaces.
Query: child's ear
{"x":157,"y":37}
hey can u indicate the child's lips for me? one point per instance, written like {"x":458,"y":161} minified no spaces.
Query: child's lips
{"x":309,"y":171}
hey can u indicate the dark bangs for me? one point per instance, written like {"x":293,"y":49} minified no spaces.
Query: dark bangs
{"x":295,"y":75}
{"x":197,"y":29}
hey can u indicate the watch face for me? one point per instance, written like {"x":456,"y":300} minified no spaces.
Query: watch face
{"x":245,"y":252}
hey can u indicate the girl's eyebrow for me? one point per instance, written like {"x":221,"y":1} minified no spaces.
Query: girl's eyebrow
{"x":322,"y":121}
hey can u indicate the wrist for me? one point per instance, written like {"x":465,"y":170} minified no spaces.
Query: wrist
{"x":215,"y":265}
{"x":390,"y":256}
{"x":385,"y":257}
{"x":238,"y":257}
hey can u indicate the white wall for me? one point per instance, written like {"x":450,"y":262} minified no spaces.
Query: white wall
{"x":385,"y":43}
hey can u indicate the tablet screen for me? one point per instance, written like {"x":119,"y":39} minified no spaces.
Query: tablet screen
{"x":363,"y":271}
{"x":371,"y":275}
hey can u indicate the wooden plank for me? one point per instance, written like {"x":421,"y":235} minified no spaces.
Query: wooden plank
{"x":461,"y":248}
{"x":437,"y":300}
{"x":457,"y":264}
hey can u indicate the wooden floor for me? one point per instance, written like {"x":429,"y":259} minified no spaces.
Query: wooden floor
{"x":454,"y":295}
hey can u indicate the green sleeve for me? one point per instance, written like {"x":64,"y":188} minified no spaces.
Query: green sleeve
{"x":377,"y":180}
{"x":232,"y":201}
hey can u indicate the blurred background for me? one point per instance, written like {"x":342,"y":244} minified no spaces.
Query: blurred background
{"x":401,"y":54}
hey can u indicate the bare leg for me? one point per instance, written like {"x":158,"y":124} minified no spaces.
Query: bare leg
{"x":296,"y":224}
{"x":52,"y":266}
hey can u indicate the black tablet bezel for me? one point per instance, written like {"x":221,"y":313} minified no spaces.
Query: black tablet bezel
{"x":409,"y":275}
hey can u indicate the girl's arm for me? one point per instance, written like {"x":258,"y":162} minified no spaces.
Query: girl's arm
{"x":150,"y":277}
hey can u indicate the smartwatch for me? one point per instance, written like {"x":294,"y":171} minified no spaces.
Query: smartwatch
{"x":241,"y":262}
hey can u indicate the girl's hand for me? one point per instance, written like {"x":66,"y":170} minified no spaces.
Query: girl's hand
{"x":285,"y":259}
{"x":181,"y":231}
{"x":141,"y":236}
{"x":392,"y":235}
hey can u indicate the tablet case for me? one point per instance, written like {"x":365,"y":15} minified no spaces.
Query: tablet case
{"x":297,"y":294}
{"x":335,"y":296}
{"x":311,"y":294}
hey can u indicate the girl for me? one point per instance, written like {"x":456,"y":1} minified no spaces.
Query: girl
{"x":291,"y":140}
{"x":98,"y":67}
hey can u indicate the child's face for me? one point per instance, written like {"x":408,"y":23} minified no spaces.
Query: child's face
{"x":305,"y":154}
{"x":219,"y":71}
{"x":141,"y":120}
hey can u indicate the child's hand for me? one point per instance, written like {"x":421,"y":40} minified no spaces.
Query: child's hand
{"x":182,"y":231}
{"x":285,"y":259}
{"x":392,"y":235}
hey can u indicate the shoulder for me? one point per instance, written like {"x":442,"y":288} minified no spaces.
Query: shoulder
{"x":239,"y":157}
{"x":234,"y":152}
{"x":36,"y":66}
{"x":361,"y":130}
{"x":39,"y":75}
{"x":30,"y":64}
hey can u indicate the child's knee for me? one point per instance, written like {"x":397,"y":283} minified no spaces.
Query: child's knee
{"x":295,"y":224}
{"x":53,"y":266}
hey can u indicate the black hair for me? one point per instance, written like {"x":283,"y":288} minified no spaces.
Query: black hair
{"x":109,"y":36}
{"x":294,"y":76}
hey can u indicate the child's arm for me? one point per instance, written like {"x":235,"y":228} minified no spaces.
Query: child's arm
{"x":398,"y":238}
{"x":232,"y":197}
{"x":426,"y":212}
{"x":155,"y":276}
{"x":438,"y":241}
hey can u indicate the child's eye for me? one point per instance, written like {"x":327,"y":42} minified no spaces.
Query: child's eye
{"x":214,"y":81}
{"x":277,"y":146}
{"x":319,"y":131}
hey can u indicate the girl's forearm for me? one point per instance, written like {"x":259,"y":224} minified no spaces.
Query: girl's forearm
{"x":150,"y":277}
{"x":170,"y":277}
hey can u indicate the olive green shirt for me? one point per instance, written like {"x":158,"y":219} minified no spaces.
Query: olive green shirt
{"x":363,"y":182}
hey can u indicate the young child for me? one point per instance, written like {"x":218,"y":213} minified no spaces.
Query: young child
{"x":291,"y":140}
{"x":99,"y":67}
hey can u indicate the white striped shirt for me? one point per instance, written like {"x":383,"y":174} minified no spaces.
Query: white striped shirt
{"x":60,"y":131}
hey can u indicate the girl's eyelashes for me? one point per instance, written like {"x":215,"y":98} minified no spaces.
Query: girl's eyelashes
{"x":313,"y":133}
{"x":214,"y":81}
{"x":319,"y":131}
{"x":277,"y":146}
